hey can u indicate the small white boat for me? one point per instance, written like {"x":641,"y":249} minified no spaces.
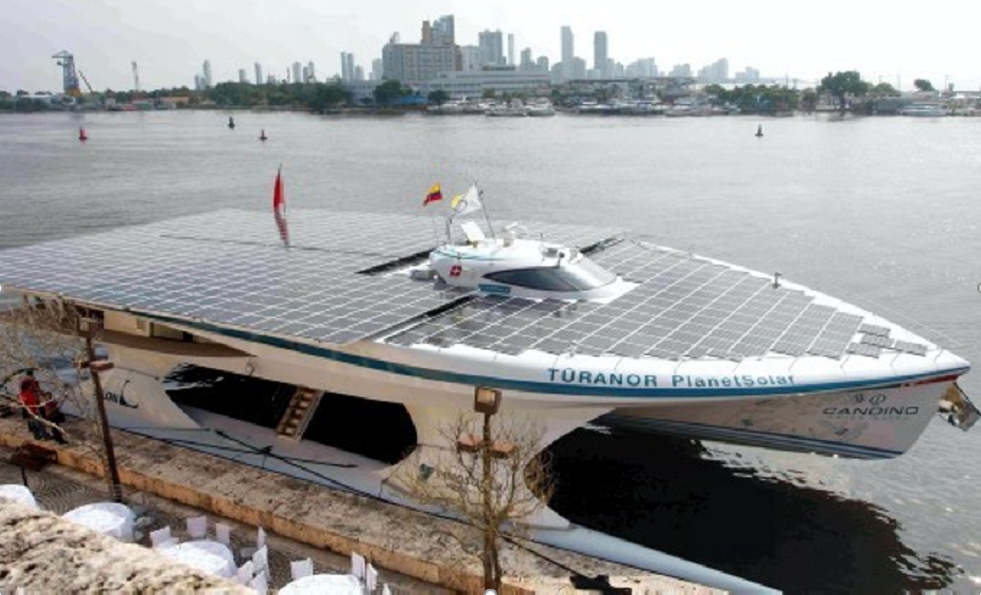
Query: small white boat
{"x":924,"y":110}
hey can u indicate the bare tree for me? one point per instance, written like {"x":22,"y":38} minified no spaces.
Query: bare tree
{"x":50,"y":338}
{"x":491,"y":480}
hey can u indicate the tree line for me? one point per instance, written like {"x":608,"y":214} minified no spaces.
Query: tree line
{"x":847,"y":90}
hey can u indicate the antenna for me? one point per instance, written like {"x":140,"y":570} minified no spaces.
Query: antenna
{"x":483,"y":206}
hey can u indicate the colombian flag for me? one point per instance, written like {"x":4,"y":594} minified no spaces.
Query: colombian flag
{"x":434,"y":194}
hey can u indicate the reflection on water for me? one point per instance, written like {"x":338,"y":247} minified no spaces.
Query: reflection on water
{"x":711,"y":507}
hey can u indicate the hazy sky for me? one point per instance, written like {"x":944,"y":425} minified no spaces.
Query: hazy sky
{"x":171,"y":38}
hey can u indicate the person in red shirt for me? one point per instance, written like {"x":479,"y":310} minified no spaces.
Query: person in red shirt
{"x":30,"y":398}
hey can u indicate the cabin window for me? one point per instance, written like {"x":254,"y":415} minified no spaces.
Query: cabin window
{"x":579,"y":276}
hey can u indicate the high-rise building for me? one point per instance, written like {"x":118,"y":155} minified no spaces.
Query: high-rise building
{"x":350,"y":66}
{"x":492,"y":47}
{"x":716,"y":72}
{"x":198,"y":82}
{"x":578,"y":68}
{"x":271,"y":80}
{"x":206,"y":68}
{"x":568,"y":51}
{"x":681,"y":71}
{"x":600,"y":54}
{"x":241,"y":76}
{"x":470,"y":57}
{"x":415,"y":64}
{"x":298,"y":72}
{"x":376,"y":69}
{"x":304,"y":74}
{"x":358,"y":73}
{"x":643,"y":68}
{"x":311,"y":73}
{"x":511,"y":49}
{"x":442,"y":31}
{"x":542,"y":63}
{"x":345,"y":76}
{"x":527,"y":62}
{"x":258,"y":74}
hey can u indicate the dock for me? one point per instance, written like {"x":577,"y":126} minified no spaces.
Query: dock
{"x":394,"y":538}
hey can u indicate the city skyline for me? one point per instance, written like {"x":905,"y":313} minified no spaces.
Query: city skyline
{"x":170,"y":44}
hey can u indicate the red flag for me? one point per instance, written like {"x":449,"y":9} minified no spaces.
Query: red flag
{"x":279,"y":209}
{"x":279,"y":202}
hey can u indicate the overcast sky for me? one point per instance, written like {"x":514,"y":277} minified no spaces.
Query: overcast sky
{"x":171,"y":38}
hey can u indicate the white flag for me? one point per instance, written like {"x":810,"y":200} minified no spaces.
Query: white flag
{"x":467,"y":203}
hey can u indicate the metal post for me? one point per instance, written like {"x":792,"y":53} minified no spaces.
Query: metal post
{"x":112,"y":473}
{"x":485,"y":453}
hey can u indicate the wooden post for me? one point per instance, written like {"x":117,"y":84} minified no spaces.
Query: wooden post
{"x":112,"y":472}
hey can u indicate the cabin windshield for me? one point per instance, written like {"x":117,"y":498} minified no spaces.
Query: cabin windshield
{"x":581,"y":275}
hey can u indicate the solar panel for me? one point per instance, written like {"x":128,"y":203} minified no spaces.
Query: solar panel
{"x":910,"y":347}
{"x":872,"y":329}
{"x":864,"y":349}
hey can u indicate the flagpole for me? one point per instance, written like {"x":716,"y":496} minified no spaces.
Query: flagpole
{"x":483,"y":205}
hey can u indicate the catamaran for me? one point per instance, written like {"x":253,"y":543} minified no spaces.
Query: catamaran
{"x":575,"y":325}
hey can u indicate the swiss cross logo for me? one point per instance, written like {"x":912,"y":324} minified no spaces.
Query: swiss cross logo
{"x":455,"y":270}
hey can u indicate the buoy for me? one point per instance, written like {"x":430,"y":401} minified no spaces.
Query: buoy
{"x":231,"y":123}
{"x":263,"y":136}
{"x":759,"y":131}
{"x":82,"y":136}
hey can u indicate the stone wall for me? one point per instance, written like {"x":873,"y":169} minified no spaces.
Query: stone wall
{"x":43,"y":553}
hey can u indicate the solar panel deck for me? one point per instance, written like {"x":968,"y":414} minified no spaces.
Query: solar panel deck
{"x":684,"y":307}
{"x":230,"y":268}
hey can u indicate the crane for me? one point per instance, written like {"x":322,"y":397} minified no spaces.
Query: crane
{"x":136,"y":78}
{"x":68,"y":75}
{"x":86,"y":81}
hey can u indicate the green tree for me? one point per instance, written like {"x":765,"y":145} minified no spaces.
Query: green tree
{"x":923,"y":85}
{"x":840,"y":85}
{"x":389,"y":91}
{"x":489,"y":94}
{"x":884,"y":90}
{"x":809,"y":99}
{"x":439,"y":97}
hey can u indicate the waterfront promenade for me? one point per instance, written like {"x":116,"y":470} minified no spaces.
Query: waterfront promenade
{"x":410,"y":549}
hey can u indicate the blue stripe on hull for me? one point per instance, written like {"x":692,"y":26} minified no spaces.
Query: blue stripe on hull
{"x":749,"y":437}
{"x":542,"y":387}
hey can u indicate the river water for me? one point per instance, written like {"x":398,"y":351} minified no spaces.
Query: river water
{"x":883,"y":212}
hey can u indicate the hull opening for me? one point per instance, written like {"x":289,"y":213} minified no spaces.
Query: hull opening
{"x":377,"y":430}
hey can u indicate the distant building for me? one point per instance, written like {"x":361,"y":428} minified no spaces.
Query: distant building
{"x":198,"y":82}
{"x":358,"y":73}
{"x":206,"y":68}
{"x":258,"y":74}
{"x":681,"y":71}
{"x":270,"y":80}
{"x":511,"y":49}
{"x":362,"y":92}
{"x":568,"y":52}
{"x":714,"y":73}
{"x":470,"y":57}
{"x":527,"y":62}
{"x":578,"y":68}
{"x":443,"y":31}
{"x":643,"y":68}
{"x":750,"y":76}
{"x":415,"y":64}
{"x":473,"y":83}
{"x":347,"y":66}
{"x":542,"y":63}
{"x":600,"y":54}
{"x":241,"y":76}
{"x":491,"y":48}
{"x":297,"y":72}
{"x":376,"y":69}
{"x":311,"y":73}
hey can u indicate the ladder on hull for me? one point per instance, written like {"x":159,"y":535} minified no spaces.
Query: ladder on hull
{"x":298,"y":414}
